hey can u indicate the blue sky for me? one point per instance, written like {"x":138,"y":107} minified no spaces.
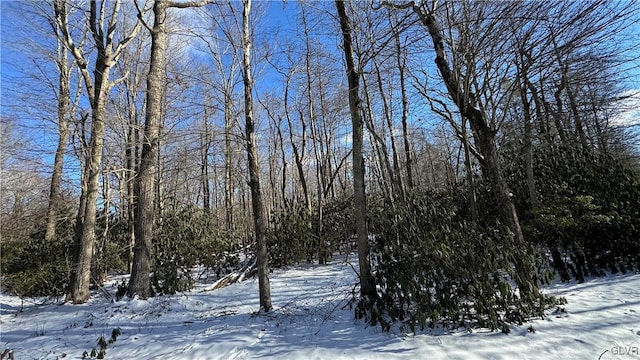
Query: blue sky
{"x":13,"y":64}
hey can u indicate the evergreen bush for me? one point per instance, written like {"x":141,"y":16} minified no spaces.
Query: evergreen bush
{"x":183,"y":240}
{"x":35,"y":267}
{"x":291,"y":239}
{"x":434,"y":266}
{"x":588,"y":214}
{"x":297,"y":235}
{"x":111,"y":252}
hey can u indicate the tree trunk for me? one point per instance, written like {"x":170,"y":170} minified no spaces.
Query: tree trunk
{"x":298,"y":155}
{"x":401,"y":62}
{"x":327,"y":174}
{"x":564,"y":85}
{"x":132,"y":154}
{"x":107,"y":52}
{"x":204,"y":166}
{"x":99,"y":273}
{"x":573,"y":105}
{"x":386,"y":171}
{"x":81,"y":272}
{"x":602,"y":141}
{"x":395,"y":175}
{"x":367,"y":282}
{"x":485,"y":140}
{"x":542,"y":117}
{"x":259,"y":219}
{"x":77,"y":233}
{"x":145,"y":185}
{"x":64,"y":130}
{"x":558,"y":114}
{"x":528,"y":153}
{"x":523,"y":76}
{"x":473,"y":203}
{"x":228,"y":185}
{"x":323,"y":252}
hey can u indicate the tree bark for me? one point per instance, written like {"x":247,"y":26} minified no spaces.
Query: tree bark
{"x":473,"y":203}
{"x":228,"y":185}
{"x":367,"y":282}
{"x":323,"y":252}
{"x":64,"y":130}
{"x":259,"y":218}
{"x":401,"y":62}
{"x":81,"y":271}
{"x":77,"y":234}
{"x":204,"y":166}
{"x":395,"y":175}
{"x":144,"y":188}
{"x":566,"y":86}
{"x":328,"y":175}
{"x":230,"y":119}
{"x":528,"y":150}
{"x":132,"y":154}
{"x":298,"y":154}
{"x":382,"y":152}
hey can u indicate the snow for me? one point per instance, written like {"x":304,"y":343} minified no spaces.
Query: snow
{"x":312,"y":320}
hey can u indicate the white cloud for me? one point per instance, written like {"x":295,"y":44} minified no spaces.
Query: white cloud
{"x":629,"y":108}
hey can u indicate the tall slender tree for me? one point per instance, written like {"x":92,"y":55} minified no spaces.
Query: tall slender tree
{"x":65,"y":111}
{"x":259,"y":215}
{"x":471,"y":108}
{"x":367,"y":283}
{"x":145,"y":187}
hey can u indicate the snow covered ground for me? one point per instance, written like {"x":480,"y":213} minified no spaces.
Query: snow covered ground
{"x":310,"y":321}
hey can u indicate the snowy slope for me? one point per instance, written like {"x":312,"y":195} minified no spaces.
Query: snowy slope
{"x":602,"y":320}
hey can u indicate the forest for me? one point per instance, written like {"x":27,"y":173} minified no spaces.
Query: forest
{"x":467,"y":152}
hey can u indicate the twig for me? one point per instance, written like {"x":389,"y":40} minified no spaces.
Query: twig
{"x":352,"y":267}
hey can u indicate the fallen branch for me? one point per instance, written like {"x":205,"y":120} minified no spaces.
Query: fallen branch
{"x":8,"y":354}
{"x":235,"y":276}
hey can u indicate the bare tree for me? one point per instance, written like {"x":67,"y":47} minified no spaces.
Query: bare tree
{"x":129,"y":107}
{"x":98,"y":87}
{"x":259,"y":216}
{"x":145,"y":188}
{"x":222,"y":44}
{"x":23,"y":199}
{"x":471,"y":106}
{"x":367,"y":283}
{"x":401,"y":59}
{"x":65,"y":111}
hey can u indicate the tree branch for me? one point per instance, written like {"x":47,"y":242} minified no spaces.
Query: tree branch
{"x":189,"y":4}
{"x":388,"y":4}
{"x":141,"y":17}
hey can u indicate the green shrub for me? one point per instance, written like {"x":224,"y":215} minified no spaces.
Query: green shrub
{"x":296,"y":235}
{"x":184,"y":239}
{"x":337,"y":222}
{"x":588,"y":214}
{"x":434,"y":266}
{"x":111,"y":254}
{"x":291,"y":239}
{"x":35,"y":267}
{"x":589,"y":237}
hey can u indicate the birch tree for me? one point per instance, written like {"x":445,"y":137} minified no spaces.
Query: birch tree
{"x":103,"y":27}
